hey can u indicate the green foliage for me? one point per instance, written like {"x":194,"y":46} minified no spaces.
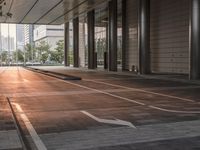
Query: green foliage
{"x":43,"y":51}
{"x":4,"y":56}
{"x":58,"y":54}
{"x":29,"y":52}
{"x":18,"y":55}
{"x":71,"y":57}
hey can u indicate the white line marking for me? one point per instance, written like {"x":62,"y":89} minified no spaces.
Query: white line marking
{"x":171,"y":88}
{"x":38,"y":142}
{"x":130,"y":100}
{"x":58,"y":93}
{"x":113,"y":78}
{"x":117,"y":121}
{"x":18,"y":82}
{"x":133,"y":101}
{"x":175,"y":111}
{"x":140,"y":90}
{"x":106,"y":93}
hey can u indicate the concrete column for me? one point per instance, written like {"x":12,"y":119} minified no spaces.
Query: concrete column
{"x":81,"y":43}
{"x":76,"y":41}
{"x":66,"y":44}
{"x":124,"y":35}
{"x":195,"y":40}
{"x":113,"y":35}
{"x":106,"y":52}
{"x":91,"y":44}
{"x":144,"y":36}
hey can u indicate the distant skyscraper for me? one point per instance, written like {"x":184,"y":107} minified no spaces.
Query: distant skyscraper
{"x":24,"y":35}
{"x":20,"y":38}
{"x":5,"y":45}
{"x":28,"y":33}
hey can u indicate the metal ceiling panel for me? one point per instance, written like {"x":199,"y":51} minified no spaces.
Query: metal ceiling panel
{"x":19,"y":9}
{"x":78,"y":10}
{"x":41,"y":8}
{"x":61,"y":9}
{"x":58,"y":21}
{"x":71,"y":14}
{"x":45,"y":11}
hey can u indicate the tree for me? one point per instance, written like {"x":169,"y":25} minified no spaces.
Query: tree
{"x":60,"y":50}
{"x":29,"y":52}
{"x":4,"y":56}
{"x":58,"y":54}
{"x":43,"y":51}
{"x":18,"y":55}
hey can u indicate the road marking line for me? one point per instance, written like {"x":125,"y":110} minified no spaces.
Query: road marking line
{"x":140,"y":90}
{"x":16,"y":82}
{"x":36,"y":139}
{"x":106,"y":93}
{"x":174,"y":111}
{"x":171,"y":88}
{"x":117,"y":121}
{"x":130,"y":100}
{"x":32,"y":94}
{"x":114,"y":78}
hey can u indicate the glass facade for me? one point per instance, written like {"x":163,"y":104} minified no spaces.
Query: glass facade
{"x":101,"y":37}
{"x":101,"y":34}
{"x":119,"y":34}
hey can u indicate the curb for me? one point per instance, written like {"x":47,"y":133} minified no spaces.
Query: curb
{"x":54,"y":74}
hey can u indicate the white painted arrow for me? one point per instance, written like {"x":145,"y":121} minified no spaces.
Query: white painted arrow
{"x":117,"y":121}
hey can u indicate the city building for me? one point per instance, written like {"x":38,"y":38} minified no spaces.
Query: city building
{"x":8,"y":43}
{"x":51,"y":34}
{"x":24,"y":35}
{"x":20,"y":37}
{"x":28,"y":34}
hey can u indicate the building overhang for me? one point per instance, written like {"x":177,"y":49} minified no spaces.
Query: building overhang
{"x":52,"y":12}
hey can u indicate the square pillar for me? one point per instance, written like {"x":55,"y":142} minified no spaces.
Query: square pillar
{"x":195,"y":40}
{"x":66,"y":44}
{"x":124,"y":34}
{"x":112,"y":35}
{"x":91,"y":42}
{"x":76,"y":41}
{"x":144,"y":36}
